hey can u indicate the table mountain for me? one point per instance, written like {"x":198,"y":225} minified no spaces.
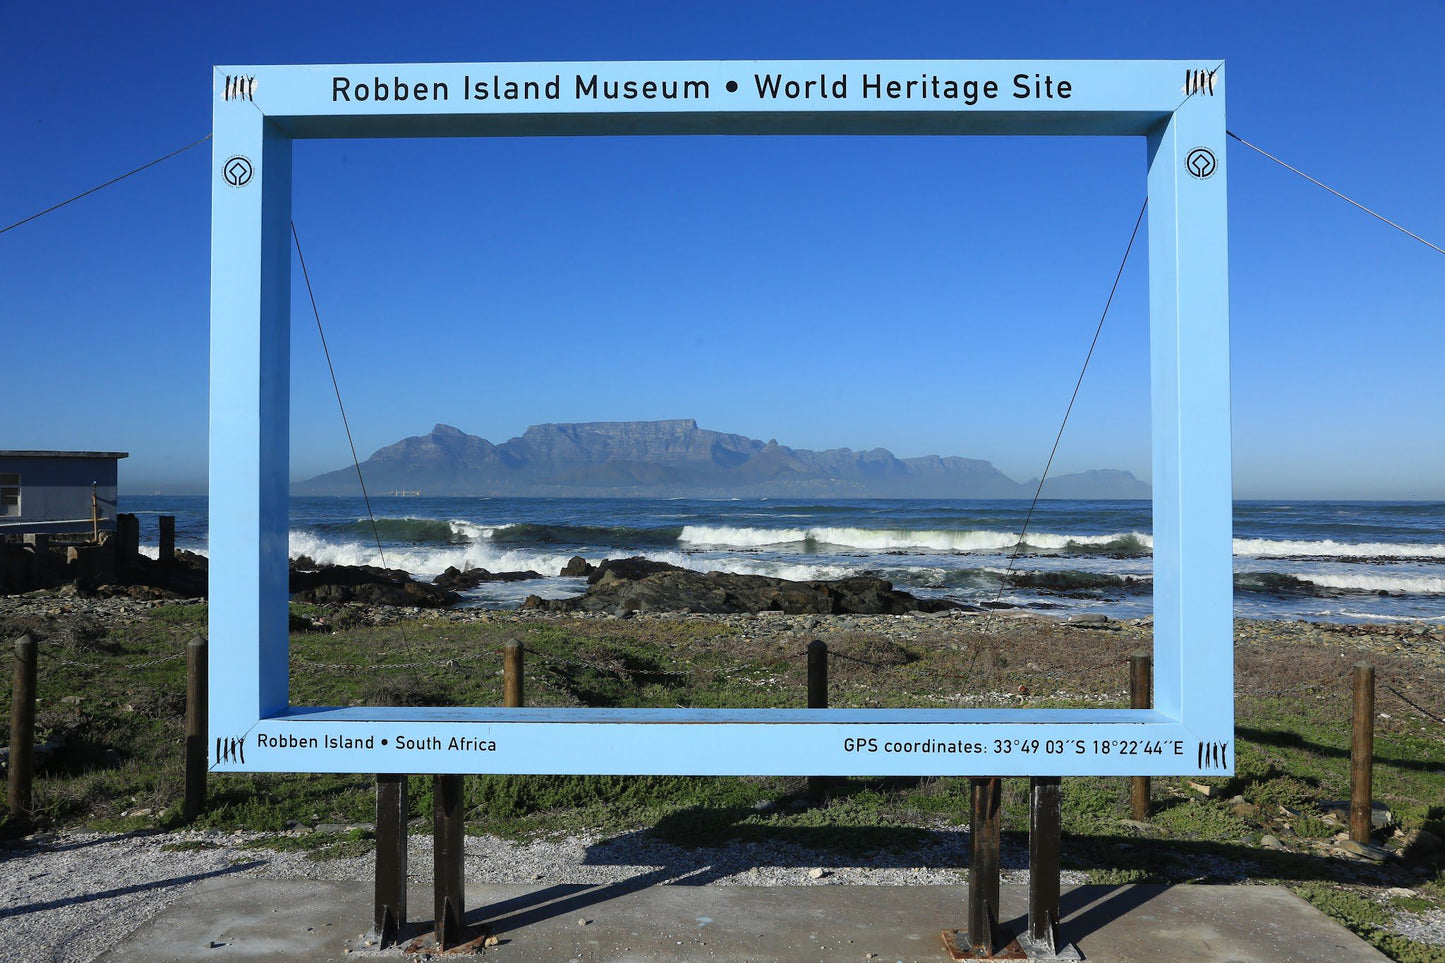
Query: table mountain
{"x":676,"y":457}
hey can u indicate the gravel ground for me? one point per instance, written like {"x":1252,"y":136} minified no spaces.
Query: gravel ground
{"x":68,"y":897}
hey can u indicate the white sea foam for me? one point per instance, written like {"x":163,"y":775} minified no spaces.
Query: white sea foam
{"x":774,"y":568}
{"x":727,"y":536}
{"x":474,"y":531}
{"x":154,"y":551}
{"x":1396,"y":585}
{"x":1376,"y":616}
{"x":962,"y":540}
{"x":429,"y":562}
{"x":426,"y":562}
{"x":1285,"y":548}
{"x":897,"y":539}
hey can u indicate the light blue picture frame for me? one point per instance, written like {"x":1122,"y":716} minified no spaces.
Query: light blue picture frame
{"x":1176,"y":106}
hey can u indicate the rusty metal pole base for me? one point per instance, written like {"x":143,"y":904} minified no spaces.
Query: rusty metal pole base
{"x":1048,"y":949}
{"x":959,"y":947}
{"x":477,"y":938}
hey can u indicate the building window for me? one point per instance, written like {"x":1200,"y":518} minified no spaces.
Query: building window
{"x":9,"y":494}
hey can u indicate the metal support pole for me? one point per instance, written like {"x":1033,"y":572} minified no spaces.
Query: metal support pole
{"x":1041,"y":942}
{"x":512,"y":674}
{"x":389,"y":917}
{"x":1141,"y":696}
{"x":1362,"y":753}
{"x":817,"y":699}
{"x":22,"y":729}
{"x":448,"y":896}
{"x":983,"y":869}
{"x":197,"y":657}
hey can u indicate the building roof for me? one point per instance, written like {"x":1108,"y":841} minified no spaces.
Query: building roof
{"x":64,"y":454}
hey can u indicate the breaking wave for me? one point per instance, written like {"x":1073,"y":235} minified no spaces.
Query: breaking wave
{"x":1394,"y":585}
{"x":1333,"y":583}
{"x":418,"y":531}
{"x":930,"y":540}
{"x":619,"y":535}
{"x":425,"y":562}
{"x":1293,"y":548}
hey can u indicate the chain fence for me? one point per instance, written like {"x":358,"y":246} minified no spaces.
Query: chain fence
{"x":1321,"y":687}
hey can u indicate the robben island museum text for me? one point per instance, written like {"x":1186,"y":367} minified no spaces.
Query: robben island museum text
{"x":769,"y":86}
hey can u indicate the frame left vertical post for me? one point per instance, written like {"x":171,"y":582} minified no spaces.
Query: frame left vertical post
{"x":250,"y":419}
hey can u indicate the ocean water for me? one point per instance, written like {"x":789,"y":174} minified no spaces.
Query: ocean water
{"x":1331,"y":561}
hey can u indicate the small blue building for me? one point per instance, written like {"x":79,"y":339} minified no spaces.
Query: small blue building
{"x":58,"y":492}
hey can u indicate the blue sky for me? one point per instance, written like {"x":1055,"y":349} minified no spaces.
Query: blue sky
{"x":925,"y":295}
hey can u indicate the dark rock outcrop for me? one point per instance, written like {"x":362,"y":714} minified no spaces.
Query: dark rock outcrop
{"x":629,"y":569}
{"x":456,"y":580}
{"x":640,"y":585}
{"x":576,"y":567}
{"x":366,"y":583}
{"x":94,"y":569}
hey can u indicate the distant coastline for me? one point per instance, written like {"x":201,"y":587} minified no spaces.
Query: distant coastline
{"x":676,"y":458}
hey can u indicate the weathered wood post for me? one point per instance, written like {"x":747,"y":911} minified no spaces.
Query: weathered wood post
{"x":449,"y":833}
{"x":983,"y":869}
{"x":127,"y":541}
{"x":167,"y":553}
{"x":197,"y":659}
{"x":512,"y":695}
{"x":22,"y":729}
{"x":1362,"y":753}
{"x":817,"y":699}
{"x":389,"y":916}
{"x":1141,"y":696}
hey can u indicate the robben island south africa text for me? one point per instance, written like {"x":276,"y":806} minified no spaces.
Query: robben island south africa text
{"x":764,"y":86}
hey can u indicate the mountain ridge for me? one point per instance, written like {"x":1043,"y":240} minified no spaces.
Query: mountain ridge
{"x":675,"y":457}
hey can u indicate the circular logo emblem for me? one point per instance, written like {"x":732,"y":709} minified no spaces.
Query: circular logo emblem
{"x":1201,"y":162}
{"x":237,"y":171}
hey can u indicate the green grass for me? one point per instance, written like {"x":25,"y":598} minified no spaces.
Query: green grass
{"x":1367,"y":918}
{"x":123,"y":742}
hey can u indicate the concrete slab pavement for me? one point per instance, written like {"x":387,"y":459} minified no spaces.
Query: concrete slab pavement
{"x":229,"y":918}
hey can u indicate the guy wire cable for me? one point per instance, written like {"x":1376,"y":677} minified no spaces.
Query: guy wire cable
{"x":56,"y":207}
{"x":1435,"y":247}
{"x":1018,"y":547}
{"x":345,"y":422}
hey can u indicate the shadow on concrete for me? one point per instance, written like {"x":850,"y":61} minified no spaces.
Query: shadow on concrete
{"x":1096,"y":907}
{"x":724,"y":842}
{"x":158,"y":884}
{"x":564,"y":899}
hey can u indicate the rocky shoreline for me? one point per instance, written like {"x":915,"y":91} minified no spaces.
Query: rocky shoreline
{"x":620,"y":585}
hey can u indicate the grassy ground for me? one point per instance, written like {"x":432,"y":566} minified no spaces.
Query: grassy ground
{"x":120,"y":714}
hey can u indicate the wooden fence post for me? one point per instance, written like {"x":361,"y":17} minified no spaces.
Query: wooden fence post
{"x":1362,"y":753}
{"x":197,"y":661}
{"x":167,"y":552}
{"x":1141,"y":696}
{"x":512,"y":696}
{"x":22,"y":729}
